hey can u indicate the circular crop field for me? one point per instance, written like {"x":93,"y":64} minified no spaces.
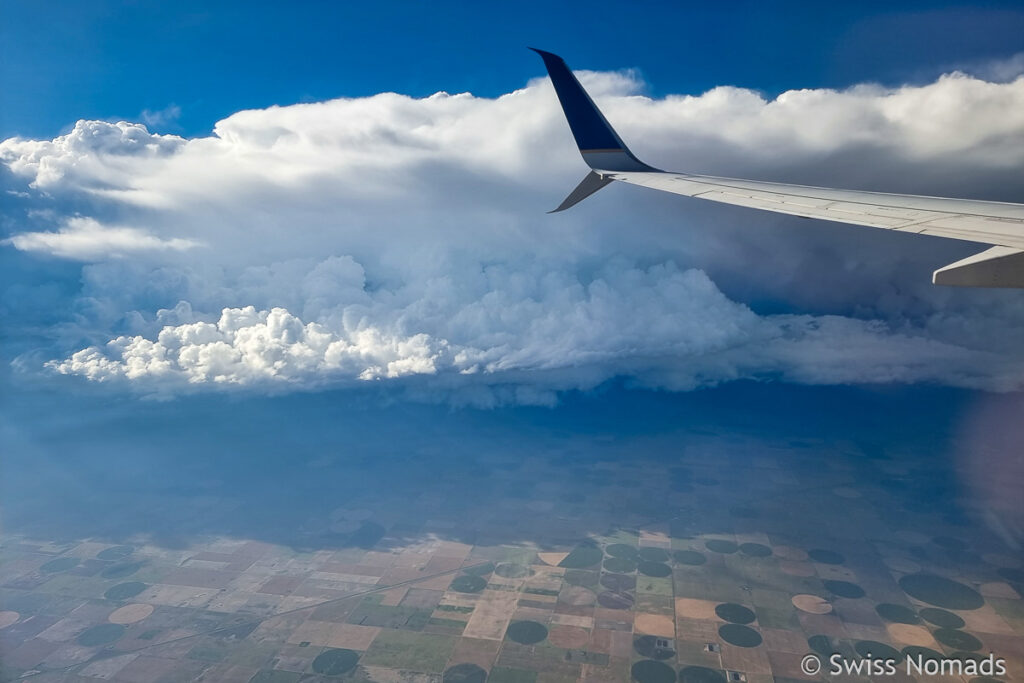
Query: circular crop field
{"x":651,"y":671}
{"x":942,"y":618}
{"x":755,"y":550}
{"x":740,"y":636}
{"x":581,"y":557}
{"x":621,"y":550}
{"x":821,"y":644}
{"x":647,"y":646}
{"x":511,"y":570}
{"x":335,"y":661}
{"x":653,"y":555}
{"x":915,"y":651}
{"x":941,"y":592}
{"x":876,"y":650}
{"x":346,"y":526}
{"x":825,"y":556}
{"x":844,"y":589}
{"x":812,"y":604}
{"x":700,"y":674}
{"x":898,"y":614}
{"x":119,"y":571}
{"x":958,"y":640}
{"x":734,"y":613}
{"x":621,"y":565}
{"x":130,"y":614}
{"x":123,"y":591}
{"x":968,"y":656}
{"x":579,"y":577}
{"x":526,"y":632}
{"x":654,"y":569}
{"x":618,"y":582}
{"x":717,"y":545}
{"x":117,"y":552}
{"x":615,"y":600}
{"x":577,"y":595}
{"x":100,"y":634}
{"x":689,"y":557}
{"x":464,"y":673}
{"x":61,"y":564}
{"x":467,"y":583}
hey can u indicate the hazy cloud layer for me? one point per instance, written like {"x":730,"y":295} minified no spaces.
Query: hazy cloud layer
{"x":84,"y":239}
{"x":404,"y":241}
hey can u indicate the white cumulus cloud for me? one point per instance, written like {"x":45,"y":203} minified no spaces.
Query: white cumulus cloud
{"x":85,"y":239}
{"x":404,"y":241}
{"x":663,"y":327}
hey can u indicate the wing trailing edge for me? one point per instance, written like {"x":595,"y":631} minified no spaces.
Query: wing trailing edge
{"x":995,"y":267}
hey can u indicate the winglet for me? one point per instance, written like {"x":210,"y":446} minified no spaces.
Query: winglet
{"x":598,"y":142}
{"x":590,"y":184}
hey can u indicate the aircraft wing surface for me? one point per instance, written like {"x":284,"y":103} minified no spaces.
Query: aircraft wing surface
{"x":999,"y":224}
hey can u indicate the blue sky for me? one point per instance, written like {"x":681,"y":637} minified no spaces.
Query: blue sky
{"x":61,"y":61}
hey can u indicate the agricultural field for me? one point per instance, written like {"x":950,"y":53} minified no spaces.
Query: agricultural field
{"x":728,"y":560}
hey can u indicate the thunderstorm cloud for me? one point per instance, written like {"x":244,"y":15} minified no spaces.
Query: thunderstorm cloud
{"x":404,"y":241}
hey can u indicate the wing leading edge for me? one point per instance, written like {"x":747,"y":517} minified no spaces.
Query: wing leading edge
{"x":995,"y":223}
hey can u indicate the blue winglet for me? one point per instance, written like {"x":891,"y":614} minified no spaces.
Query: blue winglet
{"x":598,"y":142}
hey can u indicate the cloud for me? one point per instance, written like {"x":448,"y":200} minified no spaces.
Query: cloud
{"x":999,"y":70}
{"x":93,"y":155}
{"x":160,"y":118}
{"x":404,"y":242}
{"x":85,"y":239}
{"x":662,"y":327}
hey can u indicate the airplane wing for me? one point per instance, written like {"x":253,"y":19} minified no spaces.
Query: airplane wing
{"x":999,"y":224}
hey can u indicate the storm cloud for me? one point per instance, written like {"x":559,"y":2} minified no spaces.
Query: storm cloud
{"x":404,"y":241}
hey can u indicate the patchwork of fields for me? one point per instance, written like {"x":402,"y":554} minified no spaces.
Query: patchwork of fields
{"x":729,"y":560}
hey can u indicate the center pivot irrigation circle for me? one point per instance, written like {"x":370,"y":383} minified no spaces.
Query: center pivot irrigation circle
{"x":467,"y":583}
{"x":732,"y":612}
{"x":465,"y":673}
{"x":700,"y":674}
{"x":739,"y":635}
{"x":941,"y":592}
{"x":689,"y":557}
{"x":526,"y":632}
{"x":335,"y":661}
{"x":651,"y":671}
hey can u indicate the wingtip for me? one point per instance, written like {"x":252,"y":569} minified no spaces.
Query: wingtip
{"x":545,"y":55}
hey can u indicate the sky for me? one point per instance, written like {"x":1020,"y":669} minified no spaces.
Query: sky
{"x":64,"y":61}
{"x":250,"y":202}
